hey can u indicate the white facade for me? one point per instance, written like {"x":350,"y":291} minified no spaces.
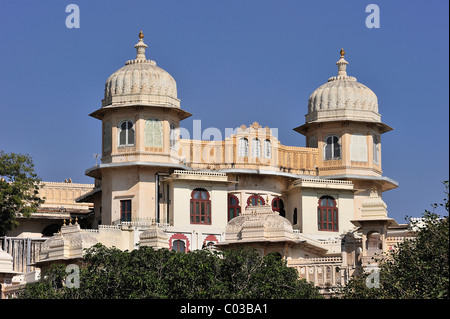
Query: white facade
{"x":153,"y":188}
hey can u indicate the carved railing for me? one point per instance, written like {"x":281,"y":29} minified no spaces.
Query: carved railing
{"x":324,"y":272}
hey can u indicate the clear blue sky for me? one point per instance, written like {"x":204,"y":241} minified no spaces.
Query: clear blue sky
{"x":235,"y":62}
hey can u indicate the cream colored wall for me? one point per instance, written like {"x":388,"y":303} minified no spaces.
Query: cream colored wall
{"x":252,"y":184}
{"x":294,"y":200}
{"x":30,"y":228}
{"x":57,"y":195}
{"x":139,"y":151}
{"x":134,"y":183}
{"x":111,"y":236}
{"x":310,"y":200}
{"x":64,"y":194}
{"x":365,"y":187}
{"x":181,"y":203}
{"x":345,"y":130}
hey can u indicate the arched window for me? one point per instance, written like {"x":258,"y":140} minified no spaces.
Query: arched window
{"x":376,"y":149}
{"x":255,"y":200}
{"x":374,"y":242}
{"x":208,"y":245}
{"x":179,"y":242}
{"x":327,"y":214}
{"x":209,"y":241}
{"x":267,"y":149}
{"x":278,"y":206}
{"x":256,"y":148}
{"x":51,"y":229}
{"x":200,"y":207}
{"x":126,"y":133}
{"x":234,"y":209}
{"x":332,"y":149}
{"x":243,"y":147}
{"x":179,"y":245}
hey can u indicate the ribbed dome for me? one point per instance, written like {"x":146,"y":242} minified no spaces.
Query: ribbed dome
{"x":140,"y":81}
{"x":343,"y":98}
{"x":258,"y":223}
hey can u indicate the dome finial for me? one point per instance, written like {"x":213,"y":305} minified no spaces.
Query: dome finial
{"x":342,"y":64}
{"x":140,"y":48}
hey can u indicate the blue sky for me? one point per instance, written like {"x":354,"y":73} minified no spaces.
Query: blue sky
{"x":235,"y":62}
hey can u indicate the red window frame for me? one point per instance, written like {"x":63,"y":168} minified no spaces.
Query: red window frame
{"x":253,"y":200}
{"x":234,"y":209}
{"x":181,"y":237}
{"x":200,"y":207}
{"x":125,"y":210}
{"x":179,"y":245}
{"x":327,"y":214}
{"x":278,"y":206}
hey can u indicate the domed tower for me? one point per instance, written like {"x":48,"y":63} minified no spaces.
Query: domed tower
{"x":140,"y":117}
{"x":343,"y":122}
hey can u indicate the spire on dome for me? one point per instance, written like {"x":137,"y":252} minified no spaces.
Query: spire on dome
{"x":140,"y":48}
{"x":342,"y":64}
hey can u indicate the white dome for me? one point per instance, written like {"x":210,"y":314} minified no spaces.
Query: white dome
{"x":6,"y":262}
{"x":140,"y":81}
{"x":258,"y":223}
{"x":343,"y":98}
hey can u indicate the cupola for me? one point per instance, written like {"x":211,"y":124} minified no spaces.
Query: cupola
{"x":141,"y":81}
{"x":343,"y":98}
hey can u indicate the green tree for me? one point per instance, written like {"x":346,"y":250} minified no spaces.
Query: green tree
{"x":19,"y":189}
{"x":419,"y":269}
{"x":245,"y":274}
{"x":109,"y":273}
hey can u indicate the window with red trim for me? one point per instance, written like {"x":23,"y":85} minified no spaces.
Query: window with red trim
{"x":255,"y":200}
{"x":179,"y":245}
{"x":125,"y":210}
{"x":234,"y":209}
{"x":327,"y":214}
{"x":200,"y":207}
{"x":278,"y":206}
{"x":179,"y":242}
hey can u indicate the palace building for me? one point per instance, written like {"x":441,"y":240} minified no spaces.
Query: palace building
{"x":320,"y":206}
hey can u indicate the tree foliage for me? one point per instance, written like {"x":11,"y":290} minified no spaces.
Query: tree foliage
{"x":109,"y":273}
{"x":19,"y":189}
{"x":419,"y":269}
